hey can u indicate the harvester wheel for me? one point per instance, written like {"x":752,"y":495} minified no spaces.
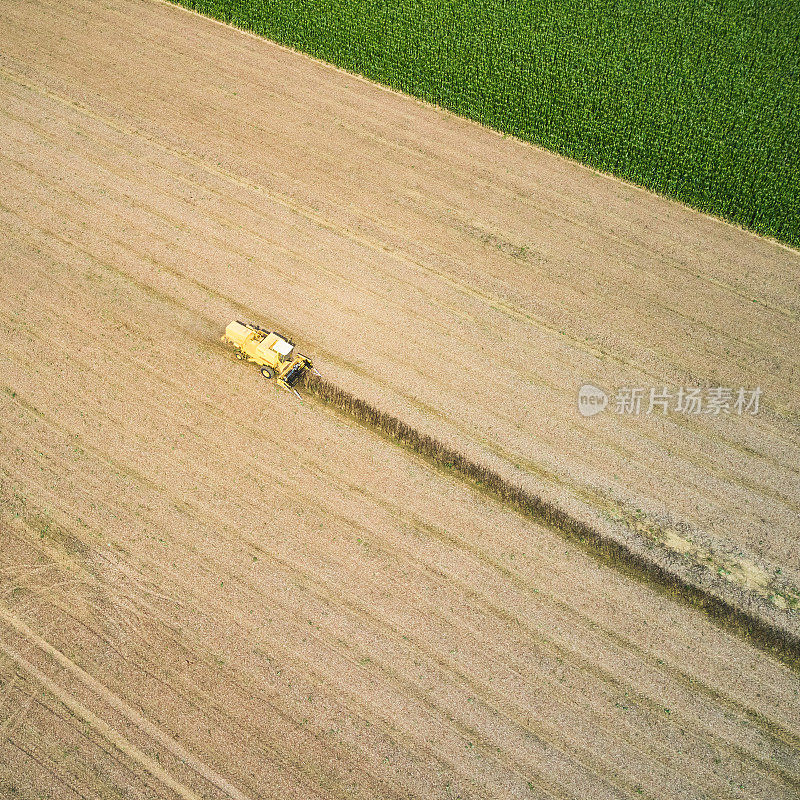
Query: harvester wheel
{"x":267,"y":372}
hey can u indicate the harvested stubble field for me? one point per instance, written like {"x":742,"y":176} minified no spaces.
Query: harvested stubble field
{"x":211,"y":590}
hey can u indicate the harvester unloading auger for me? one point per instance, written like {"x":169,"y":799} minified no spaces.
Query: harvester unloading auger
{"x":273,"y":352}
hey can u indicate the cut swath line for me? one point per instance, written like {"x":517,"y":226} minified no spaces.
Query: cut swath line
{"x":779,"y":640}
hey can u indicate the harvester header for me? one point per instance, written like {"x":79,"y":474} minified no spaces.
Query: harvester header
{"x":272,"y":351}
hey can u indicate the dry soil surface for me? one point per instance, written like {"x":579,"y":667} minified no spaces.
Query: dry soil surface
{"x":211,"y":590}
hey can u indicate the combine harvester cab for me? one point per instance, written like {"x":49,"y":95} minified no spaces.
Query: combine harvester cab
{"x":273,"y":352}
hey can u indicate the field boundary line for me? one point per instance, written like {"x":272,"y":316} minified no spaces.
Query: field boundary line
{"x":495,"y":302}
{"x":443,"y":110}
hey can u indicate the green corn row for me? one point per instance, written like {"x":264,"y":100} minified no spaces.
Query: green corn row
{"x":698,"y":100}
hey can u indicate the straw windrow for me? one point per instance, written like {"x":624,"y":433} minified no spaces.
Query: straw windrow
{"x":732,"y":607}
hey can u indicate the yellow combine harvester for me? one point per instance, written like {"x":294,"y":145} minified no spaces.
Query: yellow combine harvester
{"x":271,"y":351}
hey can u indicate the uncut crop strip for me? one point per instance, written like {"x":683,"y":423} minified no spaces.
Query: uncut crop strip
{"x":737,"y":617}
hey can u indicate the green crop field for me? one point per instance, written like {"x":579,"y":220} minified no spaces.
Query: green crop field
{"x":694,"y":99}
